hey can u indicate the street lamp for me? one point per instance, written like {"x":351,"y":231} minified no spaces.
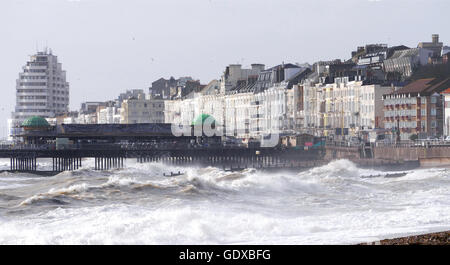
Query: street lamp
{"x":397,"y":140}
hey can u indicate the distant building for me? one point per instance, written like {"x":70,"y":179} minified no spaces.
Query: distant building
{"x":234,"y":74}
{"x":351,"y":107}
{"x":66,"y":118}
{"x":133,"y":93}
{"x":445,"y":58}
{"x":363,"y":51}
{"x":289,"y":74}
{"x":41,"y":90}
{"x":435,"y":46}
{"x":90,"y":107}
{"x":90,"y":118}
{"x":141,"y":110}
{"x":88,"y":113}
{"x":405,"y":62}
{"x":370,"y":61}
{"x":174,"y":88}
{"x":416,"y":109}
{"x":445,"y":50}
{"x":161,"y":88}
{"x":109,"y":114}
{"x":247,"y":105}
{"x":327,"y":71}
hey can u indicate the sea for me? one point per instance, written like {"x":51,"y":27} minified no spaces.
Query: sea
{"x":338,"y":203}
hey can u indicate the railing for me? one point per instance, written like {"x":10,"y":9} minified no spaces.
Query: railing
{"x":189,"y":146}
{"x":344,"y":143}
{"x":26,"y":147}
{"x":160,"y":146}
{"x":109,"y":146}
{"x":416,"y":143}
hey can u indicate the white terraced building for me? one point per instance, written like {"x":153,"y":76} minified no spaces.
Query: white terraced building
{"x":41,"y":90}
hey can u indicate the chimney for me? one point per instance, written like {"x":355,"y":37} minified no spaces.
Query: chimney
{"x":435,"y":38}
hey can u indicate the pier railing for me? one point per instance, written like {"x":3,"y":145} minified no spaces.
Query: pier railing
{"x":417,"y":143}
{"x":136,"y":146}
{"x":344,"y":143}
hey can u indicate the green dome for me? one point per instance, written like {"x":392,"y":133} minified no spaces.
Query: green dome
{"x":202,"y":118}
{"x":35,"y":122}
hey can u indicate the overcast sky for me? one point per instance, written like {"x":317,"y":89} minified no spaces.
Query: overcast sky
{"x":108,"y":46}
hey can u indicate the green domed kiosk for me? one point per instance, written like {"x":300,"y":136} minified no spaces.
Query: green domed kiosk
{"x":200,"y":120}
{"x":35,"y":123}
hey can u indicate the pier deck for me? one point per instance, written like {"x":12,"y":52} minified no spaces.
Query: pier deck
{"x":25,"y":158}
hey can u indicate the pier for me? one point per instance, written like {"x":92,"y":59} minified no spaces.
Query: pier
{"x":400,"y":156}
{"x":114,"y":156}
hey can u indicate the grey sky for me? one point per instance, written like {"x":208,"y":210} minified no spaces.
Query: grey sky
{"x":108,"y":46}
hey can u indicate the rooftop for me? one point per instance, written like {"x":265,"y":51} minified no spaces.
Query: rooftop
{"x":35,"y":122}
{"x":424,"y":86}
{"x":405,"y":53}
{"x":447,"y":91}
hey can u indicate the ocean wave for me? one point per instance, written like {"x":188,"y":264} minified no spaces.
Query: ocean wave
{"x":51,"y":195}
{"x":332,"y":204}
{"x":213,"y":224}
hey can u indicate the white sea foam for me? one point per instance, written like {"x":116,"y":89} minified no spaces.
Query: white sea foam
{"x":334,"y":203}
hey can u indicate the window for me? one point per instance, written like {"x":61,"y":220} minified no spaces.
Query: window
{"x":433,"y":124}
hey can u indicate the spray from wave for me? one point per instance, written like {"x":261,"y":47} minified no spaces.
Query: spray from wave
{"x":335,"y":203}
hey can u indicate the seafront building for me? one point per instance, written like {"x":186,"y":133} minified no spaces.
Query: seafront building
{"x":341,"y":108}
{"x":337,"y":98}
{"x":250,"y":103}
{"x":352,"y":107}
{"x":41,"y":90}
{"x":141,"y":110}
{"x":416,"y":109}
{"x":446,"y":103}
{"x":109,"y":114}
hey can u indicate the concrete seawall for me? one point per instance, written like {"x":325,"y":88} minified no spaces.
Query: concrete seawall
{"x":426,"y":156}
{"x":396,"y":157}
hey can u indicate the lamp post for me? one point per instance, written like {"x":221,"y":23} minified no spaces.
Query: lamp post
{"x":397,"y":140}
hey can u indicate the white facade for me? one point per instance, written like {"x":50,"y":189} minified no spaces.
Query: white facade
{"x":41,"y":89}
{"x":311,"y":116}
{"x":238,"y":114}
{"x":90,"y":118}
{"x":269,"y":112}
{"x":108,"y":115}
{"x":243,"y":115}
{"x":142,"y":111}
{"x":446,"y":113}
{"x":182,"y":111}
{"x":343,"y":104}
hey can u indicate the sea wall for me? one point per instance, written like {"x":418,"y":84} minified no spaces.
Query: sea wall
{"x":425,"y":156}
{"x":397,"y":153}
{"x":342,"y":152}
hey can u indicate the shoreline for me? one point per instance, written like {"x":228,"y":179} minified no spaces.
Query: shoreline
{"x":436,"y":238}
